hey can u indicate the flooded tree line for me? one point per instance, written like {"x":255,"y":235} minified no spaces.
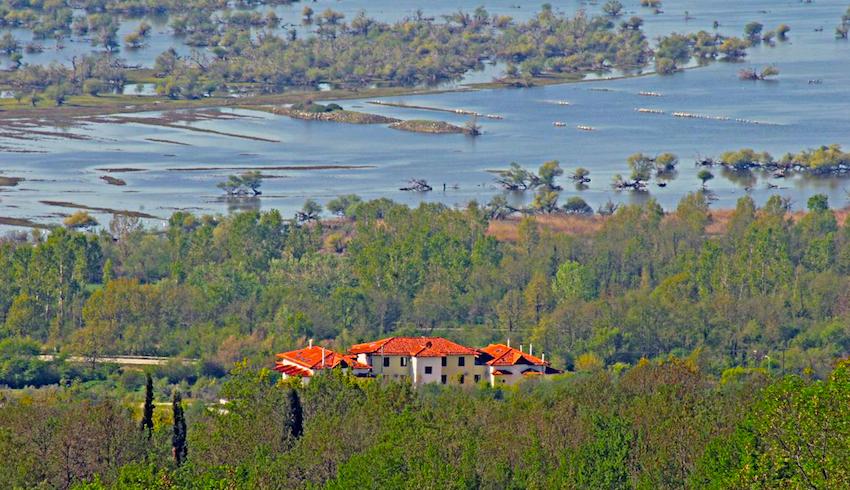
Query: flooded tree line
{"x":250,"y":56}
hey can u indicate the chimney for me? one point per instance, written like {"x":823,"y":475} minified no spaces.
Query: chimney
{"x":509,"y":342}
{"x":530,"y":349}
{"x":323,"y":357}
{"x":311,"y":342}
{"x":543,"y":357}
{"x":520,"y":347}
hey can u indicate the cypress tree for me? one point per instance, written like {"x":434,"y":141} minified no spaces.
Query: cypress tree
{"x":178,"y":439}
{"x":147,"y":411}
{"x":294,"y":422}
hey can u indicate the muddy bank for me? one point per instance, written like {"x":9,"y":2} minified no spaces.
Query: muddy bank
{"x":122,"y":212}
{"x":429,"y":127}
{"x":10,"y":181}
{"x":112,"y":180}
{"x":181,"y":120}
{"x":342,"y":116}
{"x":270,"y":168}
{"x":23,"y":223}
{"x":121,"y":170}
{"x":169,"y":142}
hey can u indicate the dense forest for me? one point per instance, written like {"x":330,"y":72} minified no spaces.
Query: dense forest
{"x":700,"y":353}
{"x":767,"y":291}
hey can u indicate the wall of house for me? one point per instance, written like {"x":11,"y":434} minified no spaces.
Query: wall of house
{"x":418,"y":367}
{"x":453,"y":371}
{"x":515,"y":376}
{"x":395,"y":370}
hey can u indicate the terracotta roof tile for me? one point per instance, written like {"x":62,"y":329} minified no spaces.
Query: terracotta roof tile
{"x":413,"y":346}
{"x":311,"y":358}
{"x":502,"y":355}
{"x":290,"y":370}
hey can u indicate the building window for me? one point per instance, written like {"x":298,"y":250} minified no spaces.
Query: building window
{"x":428,"y":369}
{"x":462,"y":378}
{"x":443,"y":379}
{"x":443,"y":361}
{"x":403,"y":361}
{"x":477,"y":378}
{"x":386,"y":362}
{"x":461,"y":361}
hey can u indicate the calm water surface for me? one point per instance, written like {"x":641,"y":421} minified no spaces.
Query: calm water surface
{"x":793,"y":113}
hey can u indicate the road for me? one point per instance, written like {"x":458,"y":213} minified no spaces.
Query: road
{"x":122,"y":360}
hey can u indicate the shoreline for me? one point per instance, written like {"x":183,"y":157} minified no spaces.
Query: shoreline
{"x":506,"y":229}
{"x":89,"y":106}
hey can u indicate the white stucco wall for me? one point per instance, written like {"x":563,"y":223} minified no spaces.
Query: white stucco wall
{"x":515,"y":376}
{"x":418,"y":367}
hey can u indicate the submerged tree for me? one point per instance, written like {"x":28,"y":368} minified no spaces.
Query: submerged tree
{"x":613,"y":8}
{"x":516,"y":178}
{"x":247,"y":183}
{"x":547,"y":174}
{"x":705,"y":175}
{"x":752,"y":74}
{"x":752,"y":31}
{"x":81,"y":220}
{"x":581,"y":175}
{"x":498,"y":208}
{"x":471,"y":127}
{"x":309,"y":212}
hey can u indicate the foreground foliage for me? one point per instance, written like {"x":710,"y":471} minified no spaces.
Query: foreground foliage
{"x":658,"y":425}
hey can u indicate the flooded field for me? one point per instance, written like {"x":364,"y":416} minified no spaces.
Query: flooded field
{"x":167,"y":162}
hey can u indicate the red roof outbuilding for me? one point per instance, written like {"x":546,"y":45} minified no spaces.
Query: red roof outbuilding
{"x":503,"y":355}
{"x":301,"y":361}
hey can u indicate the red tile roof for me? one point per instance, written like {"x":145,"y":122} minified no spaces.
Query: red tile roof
{"x":290,"y":370}
{"x":311,"y":358}
{"x":502,"y":355}
{"x":414,"y":347}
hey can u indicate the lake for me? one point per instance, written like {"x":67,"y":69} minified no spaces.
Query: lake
{"x":792,"y":114}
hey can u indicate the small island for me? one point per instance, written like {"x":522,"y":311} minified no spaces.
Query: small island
{"x":311,"y":111}
{"x":427,"y":126}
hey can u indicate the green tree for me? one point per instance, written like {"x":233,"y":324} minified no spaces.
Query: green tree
{"x":577,"y":205}
{"x":294,"y":421}
{"x":148,"y":407}
{"x":613,"y":8}
{"x":752,"y":31}
{"x":309,"y":212}
{"x":601,"y":462}
{"x":344,"y":205}
{"x":795,"y":436}
{"x":704,"y":176}
{"x":548,"y":172}
{"x":641,"y":166}
{"x":573,"y":281}
{"x":179,"y":447}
